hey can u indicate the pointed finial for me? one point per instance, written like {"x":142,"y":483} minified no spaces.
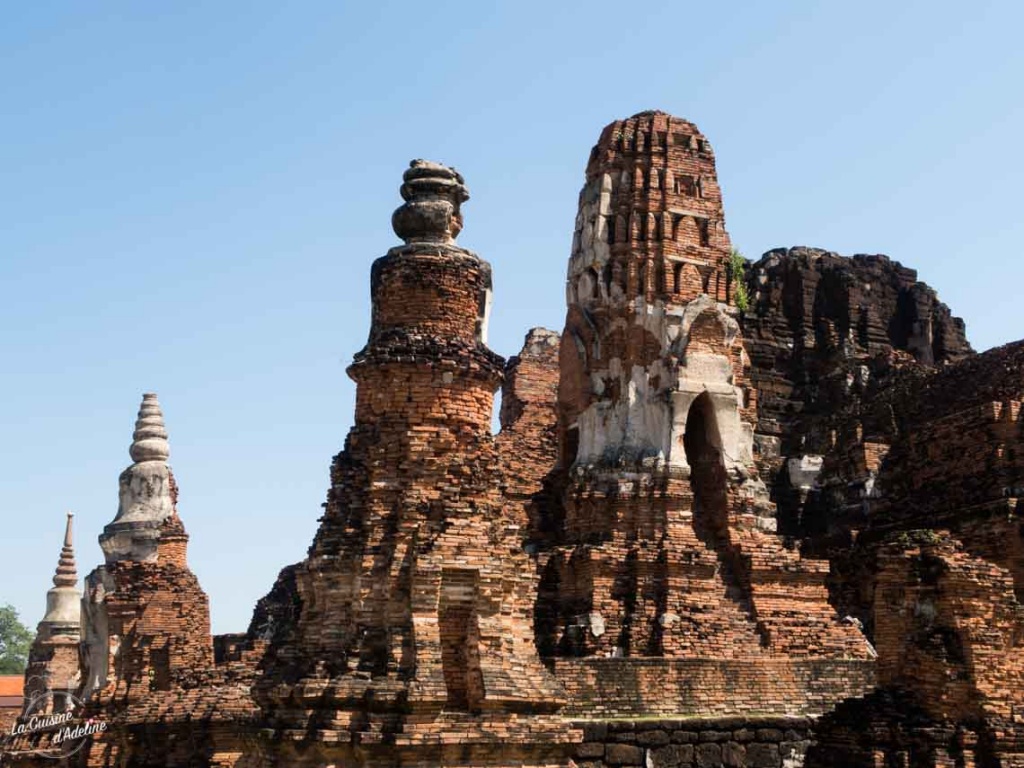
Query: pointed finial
{"x":149,"y":442}
{"x":63,"y":600}
{"x":146,"y":492}
{"x":67,"y":572}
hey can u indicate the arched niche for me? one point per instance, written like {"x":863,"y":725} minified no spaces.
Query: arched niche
{"x":716,"y":329}
{"x":617,"y":285}
{"x":460,"y":639}
{"x":687,"y":282}
{"x":686,"y":231}
{"x":708,"y":335}
{"x":574,"y":354}
{"x":588,"y":285}
{"x":702,"y":441}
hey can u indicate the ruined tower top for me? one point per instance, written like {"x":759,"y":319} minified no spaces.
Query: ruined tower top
{"x":650,"y":219}
{"x":433,"y":194}
{"x":416,"y":592}
{"x":651,"y":132}
{"x":651,"y":312}
{"x":147,"y":490}
{"x":431,"y":297}
{"x":173,"y":543}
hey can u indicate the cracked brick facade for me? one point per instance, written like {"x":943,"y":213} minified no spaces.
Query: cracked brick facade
{"x":704,"y":536}
{"x":665,"y":547}
{"x":412,"y":639}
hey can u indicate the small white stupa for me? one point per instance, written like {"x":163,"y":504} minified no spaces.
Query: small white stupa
{"x":63,"y":601}
{"x":146,"y":490}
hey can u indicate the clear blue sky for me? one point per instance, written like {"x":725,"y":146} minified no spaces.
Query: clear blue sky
{"x":193,"y":194}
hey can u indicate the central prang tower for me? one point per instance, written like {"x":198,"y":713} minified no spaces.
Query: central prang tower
{"x":411,"y":637}
{"x":666,"y":583}
{"x":649,"y":271}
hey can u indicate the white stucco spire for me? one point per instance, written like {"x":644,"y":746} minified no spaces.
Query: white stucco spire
{"x":67,"y":573}
{"x":63,"y":601}
{"x":146,"y":495}
{"x":149,"y":441}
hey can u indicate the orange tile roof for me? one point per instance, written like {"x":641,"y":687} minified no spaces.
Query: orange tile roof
{"x":12,"y":685}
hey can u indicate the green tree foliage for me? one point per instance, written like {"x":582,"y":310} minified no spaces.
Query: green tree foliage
{"x":15,"y":639}
{"x":737,"y":272}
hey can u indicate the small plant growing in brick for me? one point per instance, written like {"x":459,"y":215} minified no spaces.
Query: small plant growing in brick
{"x":737,"y":270}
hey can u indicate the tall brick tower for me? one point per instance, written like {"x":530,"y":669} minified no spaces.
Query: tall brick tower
{"x":407,"y":638}
{"x":648,"y":273}
{"x":668,"y":573}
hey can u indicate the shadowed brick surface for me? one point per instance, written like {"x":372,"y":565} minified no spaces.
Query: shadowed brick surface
{"x":774,"y":537}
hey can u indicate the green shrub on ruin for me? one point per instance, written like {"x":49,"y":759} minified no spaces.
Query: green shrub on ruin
{"x":737,"y":272}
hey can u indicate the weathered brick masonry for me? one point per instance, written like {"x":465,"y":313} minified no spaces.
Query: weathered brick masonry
{"x":12,"y":688}
{"x":738,"y":742}
{"x":820,"y":331}
{"x":528,"y":441}
{"x":412,"y":640}
{"x":665,"y":545}
{"x":695,"y":532}
{"x":942,"y":563}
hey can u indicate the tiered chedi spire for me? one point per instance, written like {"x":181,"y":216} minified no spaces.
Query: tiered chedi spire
{"x":63,"y":601}
{"x":147,"y":490}
{"x":147,"y":497}
{"x":53,"y":658}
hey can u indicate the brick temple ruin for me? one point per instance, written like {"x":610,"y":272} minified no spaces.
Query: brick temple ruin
{"x":759,"y":517}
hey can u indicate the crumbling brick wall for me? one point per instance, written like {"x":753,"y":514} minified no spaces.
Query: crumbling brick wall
{"x":406,"y":635}
{"x":820,"y":331}
{"x":627,"y":481}
{"x":950,"y":635}
{"x":940,"y":564}
{"x":528,"y":441}
{"x":9,"y":714}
